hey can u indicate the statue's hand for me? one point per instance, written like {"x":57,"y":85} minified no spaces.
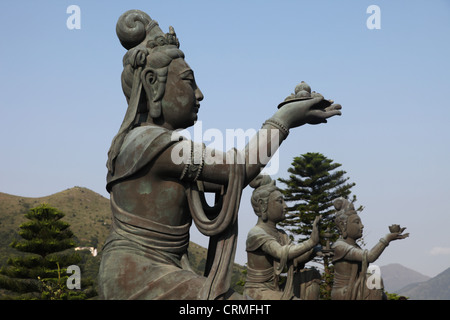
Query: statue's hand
{"x":313,"y":111}
{"x":321,"y":114}
{"x":315,"y":230}
{"x":397,"y":235}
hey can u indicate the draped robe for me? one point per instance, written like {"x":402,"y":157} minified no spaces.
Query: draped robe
{"x":263,"y":277}
{"x":350,"y":276}
{"x":144,"y":259}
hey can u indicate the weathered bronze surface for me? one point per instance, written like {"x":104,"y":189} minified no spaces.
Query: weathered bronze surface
{"x":154,"y":198}
{"x":351,"y":261}
{"x":270,"y":251}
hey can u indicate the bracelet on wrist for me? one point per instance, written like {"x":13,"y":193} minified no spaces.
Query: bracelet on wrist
{"x":278,"y":125}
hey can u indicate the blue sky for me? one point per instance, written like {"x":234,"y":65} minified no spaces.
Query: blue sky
{"x":61,"y":101}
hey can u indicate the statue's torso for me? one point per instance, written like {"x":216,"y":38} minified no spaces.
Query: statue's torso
{"x":138,"y":188}
{"x":150,"y":197}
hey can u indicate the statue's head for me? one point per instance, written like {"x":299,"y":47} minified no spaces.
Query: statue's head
{"x":155,"y":62}
{"x":267,"y":201}
{"x":347,"y":219}
{"x":158,"y":84}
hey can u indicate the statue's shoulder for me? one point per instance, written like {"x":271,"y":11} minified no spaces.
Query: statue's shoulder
{"x":148,"y":137}
{"x":145,"y":133}
{"x":340,"y":244}
{"x":140,"y":146}
{"x":341,"y":248}
{"x":256,"y":237}
{"x":256,"y":230}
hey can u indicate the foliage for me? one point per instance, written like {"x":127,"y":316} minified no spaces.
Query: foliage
{"x":47,"y":242}
{"x":57,"y":289}
{"x":89,"y":216}
{"x":314,"y":182}
{"x":327,"y":283}
{"x":240,"y":284}
{"x":395,"y":296}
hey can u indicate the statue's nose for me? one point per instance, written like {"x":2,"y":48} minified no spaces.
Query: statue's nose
{"x":199,"y":95}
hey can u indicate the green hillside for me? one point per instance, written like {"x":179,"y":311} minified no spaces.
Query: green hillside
{"x":87,"y":212}
{"x":89,"y":216}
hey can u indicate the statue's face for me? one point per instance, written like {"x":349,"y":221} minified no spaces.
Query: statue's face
{"x":182,"y":97}
{"x":354,"y":227}
{"x":276,"y":207}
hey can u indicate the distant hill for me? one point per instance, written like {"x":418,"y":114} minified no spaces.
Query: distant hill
{"x":89,"y":216}
{"x":395,"y":277}
{"x":87,"y":212}
{"x":436,"y":288}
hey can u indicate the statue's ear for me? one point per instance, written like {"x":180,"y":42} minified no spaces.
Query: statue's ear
{"x":262,"y":209}
{"x":152,"y":87}
{"x":148,"y":77}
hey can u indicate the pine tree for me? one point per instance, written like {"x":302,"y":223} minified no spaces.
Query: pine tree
{"x":46,"y":239}
{"x":314,"y":182}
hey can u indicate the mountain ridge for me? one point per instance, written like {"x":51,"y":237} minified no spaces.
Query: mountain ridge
{"x":396,"y":276}
{"x":86,"y":211}
{"x":436,"y":288}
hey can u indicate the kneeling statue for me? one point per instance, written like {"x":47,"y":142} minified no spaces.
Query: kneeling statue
{"x":351,"y":261}
{"x":269,"y":250}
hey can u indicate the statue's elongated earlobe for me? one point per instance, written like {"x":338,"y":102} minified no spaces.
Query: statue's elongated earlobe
{"x":154,"y":91}
{"x":262,"y":209}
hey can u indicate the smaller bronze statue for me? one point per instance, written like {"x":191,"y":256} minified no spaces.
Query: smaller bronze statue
{"x":269,"y":250}
{"x":351,"y":261}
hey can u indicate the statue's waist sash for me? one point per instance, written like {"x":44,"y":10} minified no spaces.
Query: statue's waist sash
{"x":260,"y":276}
{"x":341,"y":280}
{"x":148,"y":233}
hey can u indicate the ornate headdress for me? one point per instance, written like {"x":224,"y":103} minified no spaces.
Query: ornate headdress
{"x":141,"y":36}
{"x":135,"y":27}
{"x":344,"y":209}
{"x":264,"y":186}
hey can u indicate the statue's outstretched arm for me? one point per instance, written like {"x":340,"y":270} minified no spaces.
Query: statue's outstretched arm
{"x":305,"y":257}
{"x":275,"y":250}
{"x":214,"y":165}
{"x":356,"y":254}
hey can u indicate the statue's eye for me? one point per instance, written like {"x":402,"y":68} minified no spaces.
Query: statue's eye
{"x":190,"y":79}
{"x":188,"y":76}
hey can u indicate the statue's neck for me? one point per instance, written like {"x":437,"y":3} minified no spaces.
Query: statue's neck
{"x":267,"y":225}
{"x":350,"y":241}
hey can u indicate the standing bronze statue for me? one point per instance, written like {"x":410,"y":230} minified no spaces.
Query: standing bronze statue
{"x":351,"y":261}
{"x":270,"y":251}
{"x":154,"y":198}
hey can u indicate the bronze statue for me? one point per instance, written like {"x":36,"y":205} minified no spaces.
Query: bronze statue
{"x":351,"y":261}
{"x":154,"y":198}
{"x":270,"y":251}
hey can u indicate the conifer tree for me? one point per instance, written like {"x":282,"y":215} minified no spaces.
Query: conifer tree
{"x":45,"y":240}
{"x":314,"y":182}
